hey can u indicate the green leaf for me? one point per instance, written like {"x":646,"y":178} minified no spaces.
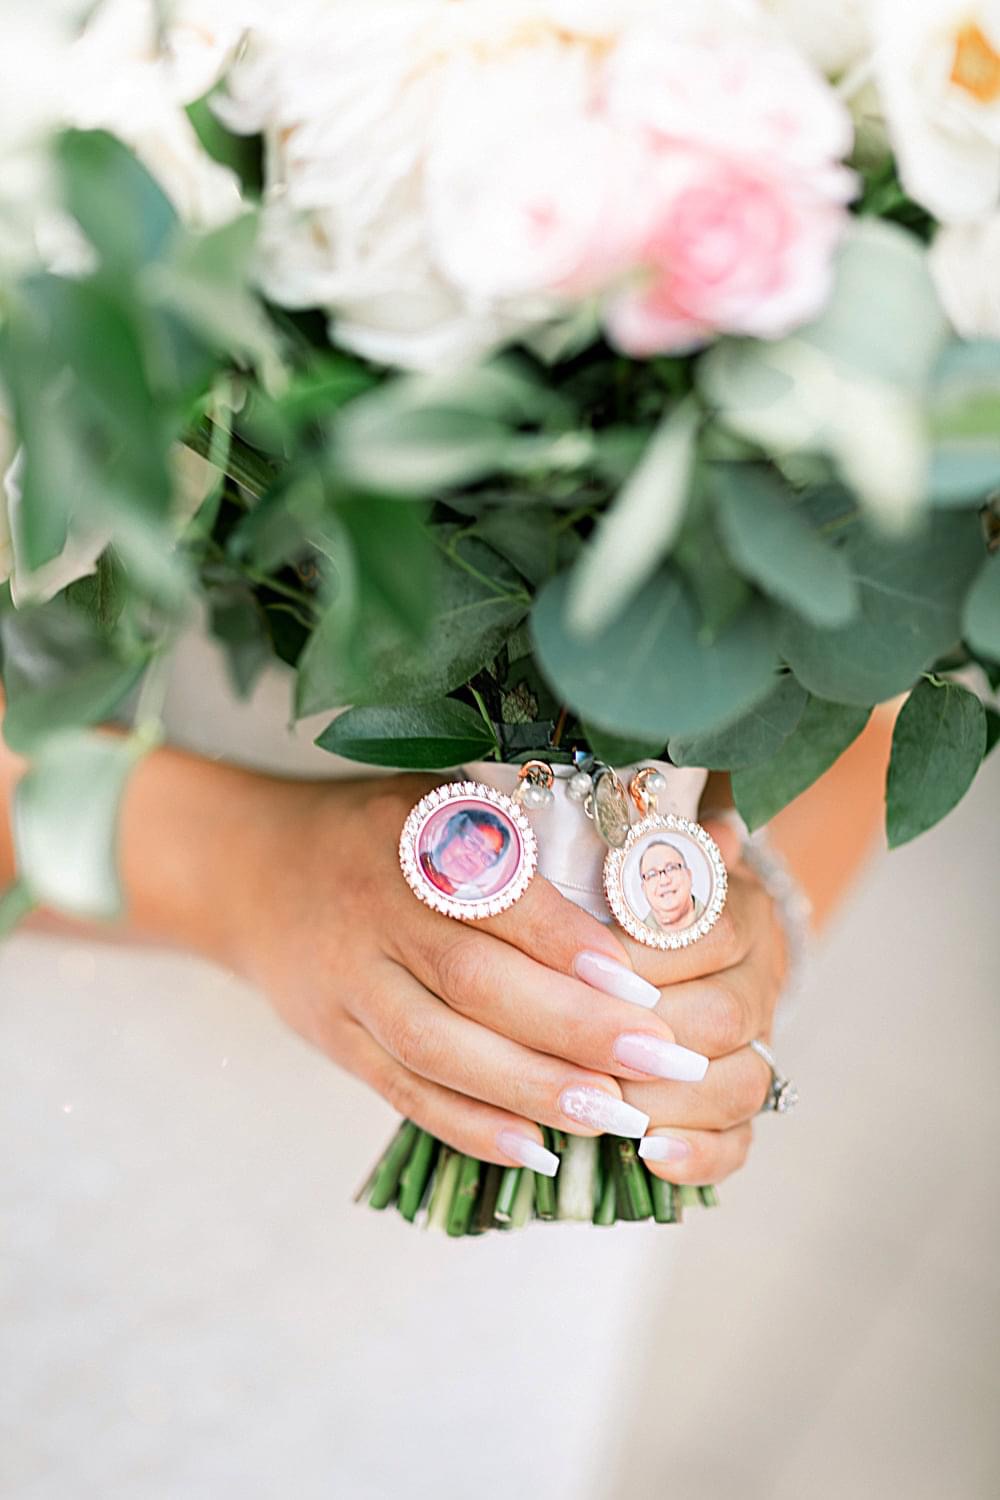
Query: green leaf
{"x":965,"y":422}
{"x":716,"y":587}
{"x":427,"y":737}
{"x":419,"y":434}
{"x":981,"y":619}
{"x":240,"y":153}
{"x":120,"y":207}
{"x":238,"y":624}
{"x":65,"y":820}
{"x":771,"y":542}
{"x":635,"y":533}
{"x":529,"y":538}
{"x":853,"y":384}
{"x":478,"y":599}
{"x":615,"y":750}
{"x":992,"y":730}
{"x":754,"y":737}
{"x":60,"y":673}
{"x":937,"y":746}
{"x":649,"y":674}
{"x":911,"y":591}
{"x":822,"y":734}
{"x":208,"y":281}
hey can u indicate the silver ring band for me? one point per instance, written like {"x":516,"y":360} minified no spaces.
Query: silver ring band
{"x":782,"y":1095}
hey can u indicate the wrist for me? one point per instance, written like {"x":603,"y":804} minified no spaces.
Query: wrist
{"x":196,"y":844}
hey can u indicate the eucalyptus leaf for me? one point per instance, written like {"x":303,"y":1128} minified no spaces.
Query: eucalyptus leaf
{"x":992,"y":730}
{"x":981,"y":619}
{"x":426,"y":737}
{"x":619,"y":751}
{"x":965,"y":422}
{"x":822,"y":734}
{"x":478,"y":600}
{"x":937,"y":746}
{"x":59,"y":673}
{"x":771,"y":542}
{"x":118,"y":204}
{"x":65,"y":822}
{"x":649,"y":674}
{"x":911,"y":591}
{"x":754,"y":737}
{"x":636,"y":531}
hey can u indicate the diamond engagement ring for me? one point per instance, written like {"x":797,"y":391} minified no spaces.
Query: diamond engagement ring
{"x":782,"y":1095}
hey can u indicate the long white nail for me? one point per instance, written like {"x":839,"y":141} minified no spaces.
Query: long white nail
{"x":663,"y":1148}
{"x":527,"y":1152}
{"x":602,"y":1111}
{"x":613,"y":978}
{"x":651,"y":1054}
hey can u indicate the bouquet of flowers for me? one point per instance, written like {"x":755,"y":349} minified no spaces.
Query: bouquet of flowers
{"x":585,"y":380}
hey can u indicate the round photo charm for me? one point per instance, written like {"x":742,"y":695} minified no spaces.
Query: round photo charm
{"x":468,"y":851}
{"x":667,"y":884}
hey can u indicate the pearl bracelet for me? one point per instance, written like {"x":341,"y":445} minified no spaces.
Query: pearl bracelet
{"x":794,"y":909}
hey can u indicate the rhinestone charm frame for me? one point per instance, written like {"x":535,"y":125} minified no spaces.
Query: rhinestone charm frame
{"x":614,"y":881}
{"x":409,"y":860}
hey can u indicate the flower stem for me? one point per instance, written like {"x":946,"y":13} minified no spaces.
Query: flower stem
{"x":524,"y":1201}
{"x":576,"y":1183}
{"x":662,"y":1194}
{"x":416,"y":1175}
{"x":464,"y":1200}
{"x":389,"y":1168}
{"x":709,"y":1196}
{"x":688,"y":1195}
{"x":545,"y":1188}
{"x":632,"y":1180}
{"x":510,"y":1182}
{"x":445,"y":1182}
{"x":482,"y":1219}
{"x":605,"y":1208}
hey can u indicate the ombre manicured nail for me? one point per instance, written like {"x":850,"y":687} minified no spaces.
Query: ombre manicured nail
{"x":663,"y":1148}
{"x":602,"y":1111}
{"x":651,"y":1054}
{"x":527,"y":1152}
{"x":613,"y":978}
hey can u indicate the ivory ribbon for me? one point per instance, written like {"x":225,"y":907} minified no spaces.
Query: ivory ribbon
{"x":570,"y":850}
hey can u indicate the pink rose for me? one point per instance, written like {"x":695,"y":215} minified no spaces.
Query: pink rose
{"x":729,"y":249}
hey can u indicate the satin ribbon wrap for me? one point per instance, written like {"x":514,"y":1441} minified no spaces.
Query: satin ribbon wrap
{"x":570,"y":850}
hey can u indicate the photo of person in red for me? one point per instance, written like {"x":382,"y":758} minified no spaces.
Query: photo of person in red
{"x":468,"y":847}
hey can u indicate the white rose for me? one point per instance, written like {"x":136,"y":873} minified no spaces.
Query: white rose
{"x":833,"y":34}
{"x":937,"y":65}
{"x":965,"y":264}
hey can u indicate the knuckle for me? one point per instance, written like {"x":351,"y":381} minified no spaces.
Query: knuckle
{"x":724,"y":1020}
{"x":462,"y":969}
{"x":408,"y":1037}
{"x":401,"y":1090}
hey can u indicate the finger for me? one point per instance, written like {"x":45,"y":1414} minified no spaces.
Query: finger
{"x":727,"y":838}
{"x":432,"y":1040}
{"x":468,"y":1125}
{"x":553,"y":930}
{"x":502,"y":988}
{"x":732,"y":1091}
{"x":717,"y":1016}
{"x":723,"y":946}
{"x":696,"y":1156}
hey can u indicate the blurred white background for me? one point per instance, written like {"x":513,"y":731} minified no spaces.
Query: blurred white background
{"x":175,"y":1312}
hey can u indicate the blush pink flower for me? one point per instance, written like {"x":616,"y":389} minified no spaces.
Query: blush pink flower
{"x":730,"y":249}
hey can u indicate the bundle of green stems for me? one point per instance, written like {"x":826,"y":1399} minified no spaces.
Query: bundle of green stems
{"x":600,"y":1180}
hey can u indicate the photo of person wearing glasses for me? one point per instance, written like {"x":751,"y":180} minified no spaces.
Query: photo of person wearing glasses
{"x":667,"y":886}
{"x":465,"y":852}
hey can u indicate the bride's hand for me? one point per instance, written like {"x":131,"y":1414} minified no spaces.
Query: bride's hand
{"x":717,"y":996}
{"x":476,"y":1032}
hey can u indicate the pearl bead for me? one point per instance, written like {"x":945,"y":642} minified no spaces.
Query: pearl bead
{"x":579,"y":787}
{"x":657,"y":782}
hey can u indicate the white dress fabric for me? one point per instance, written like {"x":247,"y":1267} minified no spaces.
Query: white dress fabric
{"x":190,"y":1303}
